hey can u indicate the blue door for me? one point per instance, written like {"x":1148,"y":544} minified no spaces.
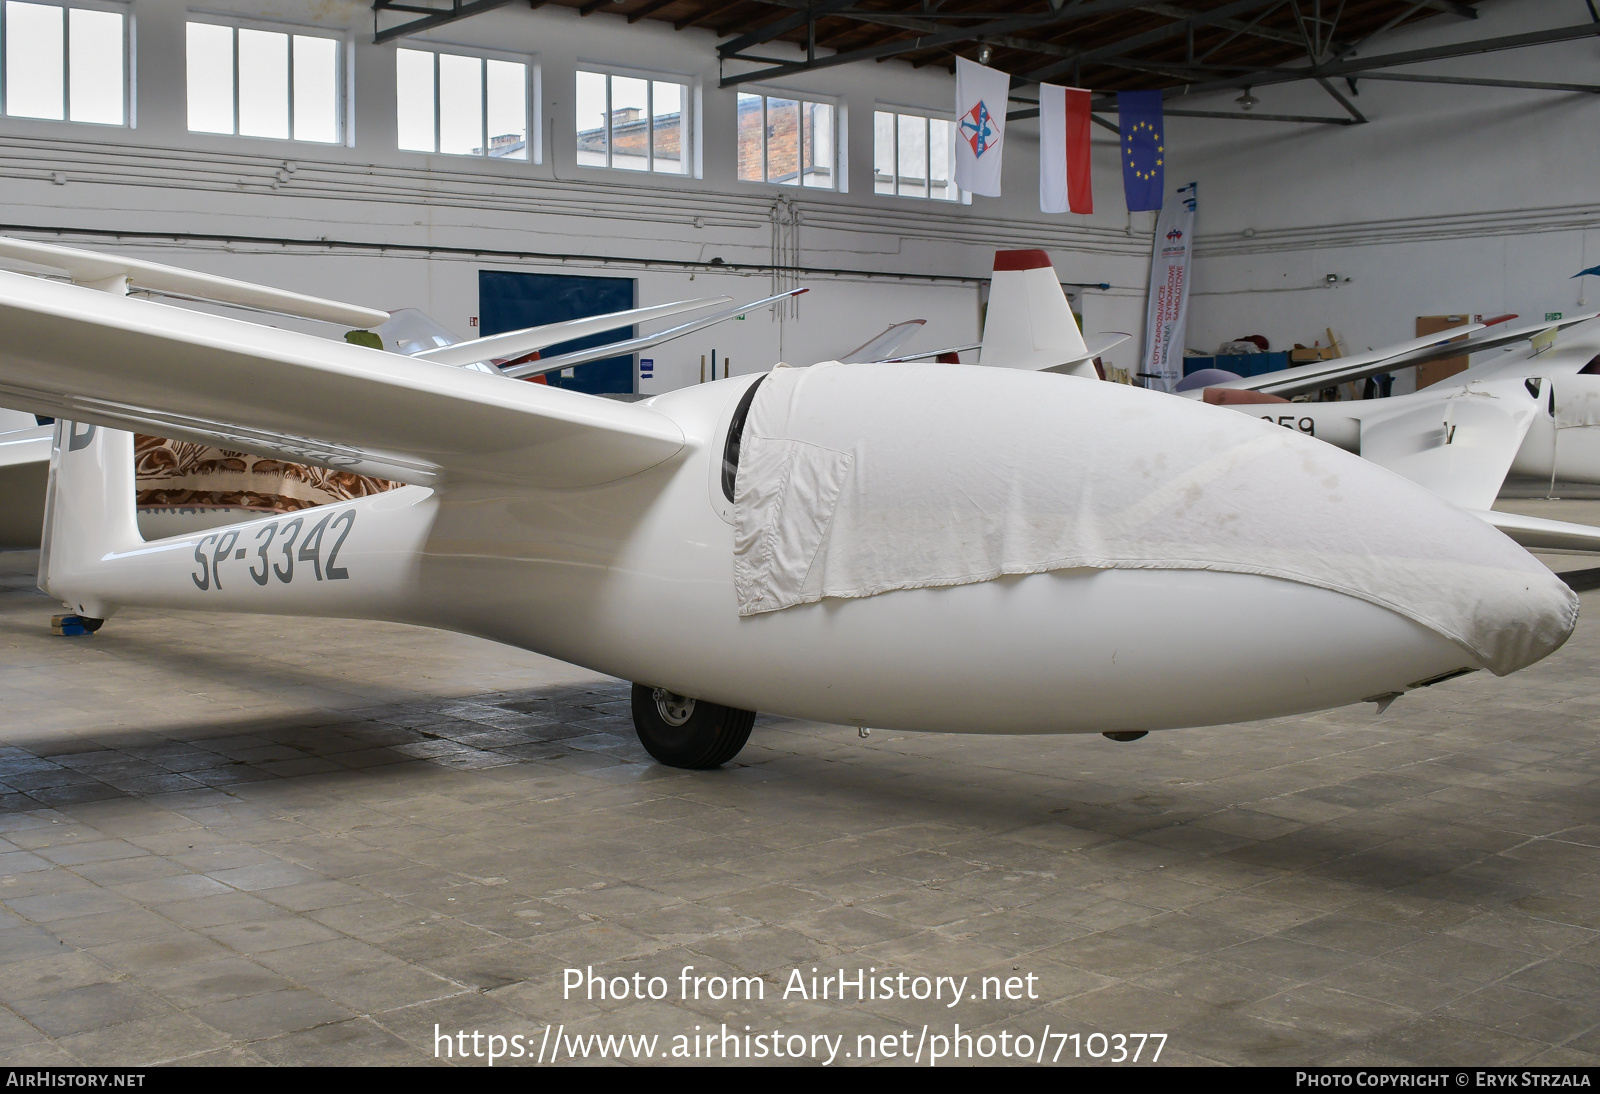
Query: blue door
{"x":511,"y":301}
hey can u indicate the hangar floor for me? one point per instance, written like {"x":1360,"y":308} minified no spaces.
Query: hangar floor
{"x":242,"y":840}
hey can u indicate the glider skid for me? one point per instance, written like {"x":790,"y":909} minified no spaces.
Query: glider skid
{"x":683,"y":732}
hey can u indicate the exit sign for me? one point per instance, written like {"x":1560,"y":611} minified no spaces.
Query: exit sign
{"x":1551,"y":316}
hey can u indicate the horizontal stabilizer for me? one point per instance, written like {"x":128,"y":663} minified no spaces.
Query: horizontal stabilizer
{"x":103,"y":270}
{"x":1537,"y":533}
{"x":518,"y":343}
{"x":927,"y":355}
{"x":1093,"y":347}
{"x":1462,"y":447}
{"x":133,"y":364}
{"x":885,"y":344}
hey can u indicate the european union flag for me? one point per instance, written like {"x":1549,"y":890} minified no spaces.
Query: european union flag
{"x":1143,"y":148}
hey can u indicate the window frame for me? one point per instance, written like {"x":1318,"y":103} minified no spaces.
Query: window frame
{"x":532,"y":95}
{"x":690,"y":118}
{"x":841,"y":138}
{"x":963,"y":197}
{"x":344,"y":79}
{"x":123,"y":8}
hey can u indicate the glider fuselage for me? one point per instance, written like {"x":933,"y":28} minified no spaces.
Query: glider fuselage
{"x":634,"y":578}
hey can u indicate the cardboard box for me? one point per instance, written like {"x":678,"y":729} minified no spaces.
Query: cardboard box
{"x":1301,"y":355}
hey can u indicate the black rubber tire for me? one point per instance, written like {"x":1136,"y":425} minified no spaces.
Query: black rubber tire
{"x":711,"y":737}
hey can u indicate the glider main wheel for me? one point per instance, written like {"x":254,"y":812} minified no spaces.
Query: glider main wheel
{"x":683,"y":732}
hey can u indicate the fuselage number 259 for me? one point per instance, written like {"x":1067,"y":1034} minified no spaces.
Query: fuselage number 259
{"x":276,"y":550}
{"x":1289,"y":421}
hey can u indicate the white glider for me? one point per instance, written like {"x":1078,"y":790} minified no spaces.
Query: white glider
{"x":908,"y":546}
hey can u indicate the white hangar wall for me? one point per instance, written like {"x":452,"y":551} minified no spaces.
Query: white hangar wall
{"x":1452,"y":199}
{"x":1470,"y":199}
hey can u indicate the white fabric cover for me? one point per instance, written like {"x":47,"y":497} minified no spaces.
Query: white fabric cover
{"x":1577,"y":401}
{"x":856,"y":480}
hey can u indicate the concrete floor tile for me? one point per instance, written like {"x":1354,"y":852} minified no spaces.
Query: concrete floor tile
{"x":92,"y":1007}
{"x":1350,"y":934}
{"x":386,"y":987}
{"x":38,"y":1054}
{"x":177,"y":947}
{"x":1105,"y":953}
{"x":269,"y":934}
{"x":312,"y":896}
{"x":1522,"y":1014}
{"x":1521,"y":932}
{"x":14,"y":1032}
{"x":26,"y":944}
{"x":1279,"y":956}
{"x":56,"y":907}
{"x":1213,"y":982}
{"x":49,"y":975}
{"x":171,"y":1038}
{"x":1334,"y":1014}
{"x":1244,"y":1039}
{"x":256,"y":1017}
{"x":1402,"y":987}
{"x":359,"y":1042}
{"x":199,"y":983}
{"x":1131,"y":1008}
{"x":170,"y":888}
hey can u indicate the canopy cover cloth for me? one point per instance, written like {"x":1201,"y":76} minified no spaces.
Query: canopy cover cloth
{"x":856,"y":480}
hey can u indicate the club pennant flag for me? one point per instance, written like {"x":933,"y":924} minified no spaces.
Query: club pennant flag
{"x":1064,"y":150}
{"x":981,"y":95}
{"x":1143,"y":148}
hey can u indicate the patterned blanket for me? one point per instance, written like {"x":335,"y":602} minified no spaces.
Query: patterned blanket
{"x":181,"y":473}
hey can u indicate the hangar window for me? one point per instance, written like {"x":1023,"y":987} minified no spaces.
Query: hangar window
{"x":790,"y":142}
{"x":254,"y":82}
{"x":633,"y":123}
{"x":65,"y":63}
{"x":462,"y":104}
{"x":913,"y":156}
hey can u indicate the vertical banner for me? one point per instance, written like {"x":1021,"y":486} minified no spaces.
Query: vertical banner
{"x":1168,"y":308}
{"x":981,"y":95}
{"x":1144,"y":148}
{"x":1064,"y":150}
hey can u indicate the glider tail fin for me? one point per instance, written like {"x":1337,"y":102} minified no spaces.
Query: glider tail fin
{"x":89,"y":512}
{"x":1029,"y":323}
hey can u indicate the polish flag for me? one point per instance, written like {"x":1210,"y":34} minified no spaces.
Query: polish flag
{"x":1064,"y":150}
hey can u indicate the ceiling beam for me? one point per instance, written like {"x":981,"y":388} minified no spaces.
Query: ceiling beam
{"x":1474,"y":81}
{"x":1225,"y":115}
{"x":1110,"y":52}
{"x":649,"y":9}
{"x":1083,"y":9}
{"x":1271,"y":33}
{"x":1466,"y":11}
{"x":782,"y":25}
{"x":1263,"y":77}
{"x":457,"y":10}
{"x":923,"y":24}
{"x":1312,"y":55}
{"x":704,"y":13}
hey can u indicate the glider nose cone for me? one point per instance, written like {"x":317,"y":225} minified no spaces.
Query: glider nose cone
{"x":1271,"y":501}
{"x":1267,"y":500}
